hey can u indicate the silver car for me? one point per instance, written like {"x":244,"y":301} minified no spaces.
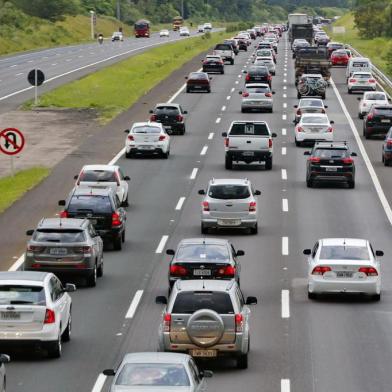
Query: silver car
{"x":257,"y":96}
{"x":3,"y":380}
{"x":268,"y":62}
{"x":229,"y":203}
{"x":166,"y":372}
{"x":308,"y":105}
{"x":207,"y":319}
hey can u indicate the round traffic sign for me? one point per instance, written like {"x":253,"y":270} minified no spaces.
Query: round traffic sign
{"x":36,"y":74}
{"x":12,"y":141}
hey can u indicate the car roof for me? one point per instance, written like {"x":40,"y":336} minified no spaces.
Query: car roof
{"x":344,"y":241}
{"x":231,"y":181}
{"x":204,"y":284}
{"x":27,"y":276}
{"x":100,"y":167}
{"x":58,"y":223}
{"x":155,"y":357}
{"x":204,"y":240}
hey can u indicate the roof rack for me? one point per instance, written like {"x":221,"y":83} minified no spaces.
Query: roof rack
{"x":332,"y":143}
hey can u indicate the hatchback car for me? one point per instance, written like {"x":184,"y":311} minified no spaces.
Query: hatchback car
{"x":330,"y":162}
{"x":165,"y":372}
{"x":257,"y":96}
{"x":343,"y":265}
{"x":204,"y":258}
{"x":198,"y":81}
{"x":147,"y":138}
{"x":378,"y":121}
{"x":371,"y":98}
{"x":268,"y":62}
{"x":361,"y":81}
{"x":117,"y":36}
{"x":105,"y":176}
{"x":213,"y":63}
{"x":258,"y":74}
{"x":313,"y":127}
{"x":171,"y":115}
{"x":229,"y":203}
{"x":65,"y":247}
{"x":35,"y":312}
{"x":184,"y":32}
{"x":308,"y":105}
{"x":387,"y":149}
{"x":339,"y":57}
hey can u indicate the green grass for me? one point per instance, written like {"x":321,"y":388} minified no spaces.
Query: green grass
{"x":13,"y":188}
{"x":114,"y":89}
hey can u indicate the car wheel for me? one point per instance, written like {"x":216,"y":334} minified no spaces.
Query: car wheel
{"x":323,"y":96}
{"x":242,"y":361}
{"x":299,"y":96}
{"x":117,"y":243}
{"x":92,"y":278}
{"x":243,"y":110}
{"x":254,"y":230}
{"x":100,"y":269}
{"x":232,"y":61}
{"x":55,"y":348}
{"x":376,"y":297}
{"x":271,"y":110}
{"x":360,"y":116}
{"x":123,"y":237}
{"x":309,"y":183}
{"x":128,"y":154}
{"x":268,"y":163}
{"x":367,"y":136}
{"x":351,"y":184}
{"x":209,"y":90}
{"x":312,"y":295}
{"x":125,"y":202}
{"x":349,"y":91}
{"x":165,"y":155}
{"x":188,"y":90}
{"x":204,"y":230}
{"x":223,"y":71}
{"x":297,"y":143}
{"x":228,"y":163}
{"x":67,"y":332}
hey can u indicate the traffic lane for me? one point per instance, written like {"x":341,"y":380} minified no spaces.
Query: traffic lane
{"x":125,"y":271}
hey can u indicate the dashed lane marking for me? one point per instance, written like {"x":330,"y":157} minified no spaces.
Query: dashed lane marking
{"x":162,"y":244}
{"x":134,"y":304}
{"x":180,"y":203}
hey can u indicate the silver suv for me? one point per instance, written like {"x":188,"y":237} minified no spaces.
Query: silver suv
{"x":206,"y":319}
{"x":229,"y":203}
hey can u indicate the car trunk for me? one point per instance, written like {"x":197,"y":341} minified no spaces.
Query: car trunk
{"x":59,"y":253}
{"x":345,"y":269}
{"x":315,"y":128}
{"x":229,"y":209}
{"x":101,"y":220}
{"x":14,"y":318}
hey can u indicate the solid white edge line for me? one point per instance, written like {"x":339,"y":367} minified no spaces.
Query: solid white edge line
{"x":285,"y":303}
{"x":18,"y":263}
{"x":204,"y":150}
{"x":162,"y":244}
{"x":285,"y":205}
{"x":180,"y":203}
{"x":99,"y":383}
{"x":372,"y":172}
{"x":117,"y":157}
{"x":285,"y":246}
{"x":284,"y":385}
{"x":134,"y":304}
{"x":194,"y":173}
{"x":284,"y":174}
{"x":211,"y":136}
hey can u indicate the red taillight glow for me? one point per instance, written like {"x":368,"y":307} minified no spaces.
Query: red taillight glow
{"x":299,"y":112}
{"x":131,"y":138}
{"x":269,"y":143}
{"x":353,"y":80}
{"x":247,"y":78}
{"x":153,"y":117}
{"x":347,"y":161}
{"x":162,"y":138}
{"x":370,"y":116}
{"x":329,"y":129}
{"x":116,"y":219}
{"x":269,"y":77}
{"x":33,"y":248}
{"x":178,"y":270}
{"x":50,"y":317}
{"x":369,"y":271}
{"x":166,"y":322}
{"x":320,"y":270}
{"x":83,"y":249}
{"x":179,"y":118}
{"x":252,"y":206}
{"x":228,"y":271}
{"x":300,"y":129}
{"x":314,"y":159}
{"x":372,"y":80}
{"x":205,"y":205}
{"x":268,"y":95}
{"x":389,"y":143}
{"x":245,"y":94}
{"x":63,"y":214}
{"x":239,"y":322}
{"x":226,"y":142}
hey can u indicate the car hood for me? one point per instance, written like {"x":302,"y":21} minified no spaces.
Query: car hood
{"x":138,"y":388}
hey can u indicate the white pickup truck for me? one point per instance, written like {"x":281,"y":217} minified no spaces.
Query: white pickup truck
{"x":248,"y":141}
{"x":225,"y":51}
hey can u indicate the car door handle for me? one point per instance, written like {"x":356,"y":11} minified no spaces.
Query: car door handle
{"x":248,"y":141}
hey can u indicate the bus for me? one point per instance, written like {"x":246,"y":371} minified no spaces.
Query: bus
{"x":178,"y":22}
{"x":142,"y":28}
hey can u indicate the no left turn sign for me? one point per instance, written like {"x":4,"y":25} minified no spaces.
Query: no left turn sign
{"x":11,"y":141}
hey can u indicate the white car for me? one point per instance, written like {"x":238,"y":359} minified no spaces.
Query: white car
{"x":35,"y":311}
{"x":312,"y":127}
{"x":308,"y":105}
{"x":207,"y":26}
{"x":200,"y":29}
{"x":117,"y":36}
{"x":147,"y":138}
{"x":343,"y":265}
{"x":164,"y":33}
{"x":105,"y":176}
{"x":371,"y":98}
{"x":184,"y":32}
{"x":361,"y":81}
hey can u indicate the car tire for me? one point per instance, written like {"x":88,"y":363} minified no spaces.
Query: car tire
{"x":351,"y":184}
{"x":188,"y":90}
{"x":128,"y":154}
{"x":228,"y":163}
{"x":68,"y":331}
{"x":123,"y":237}
{"x":209,"y":90}
{"x":165,"y":155}
{"x":297,"y":143}
{"x":243,"y":110}
{"x":323,"y":96}
{"x":100,"y":269}
{"x":203,"y":229}
{"x":349,"y":91}
{"x":125,"y":202}
{"x":312,"y":295}
{"x":254,"y":230}
{"x":367,"y":136}
{"x":117,"y":243}
{"x":232,"y":61}
{"x":242,"y":361}
{"x":360,"y":116}
{"x":92,"y":278}
{"x":299,"y":96}
{"x":222,"y":72}
{"x":55,"y":348}
{"x":376,"y":297}
{"x":309,"y":183}
{"x":271,"y":110}
{"x":268,"y":163}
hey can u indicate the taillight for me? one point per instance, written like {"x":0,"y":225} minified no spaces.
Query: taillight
{"x":389,"y":143}
{"x":178,"y":270}
{"x":179,"y":118}
{"x":329,"y":129}
{"x":63,"y":214}
{"x":83,"y":249}
{"x":320,"y":270}
{"x":116,"y":219}
{"x":245,"y":94}
{"x":247,"y":78}
{"x":226,"y":142}
{"x":166,"y":322}
{"x":252,"y":206}
{"x":269,"y":77}
{"x":131,"y":138}
{"x":353,"y":80}
{"x":268,"y":95}
{"x":153,"y":117}
{"x":34,"y":248}
{"x":347,"y":161}
{"x":372,"y":81}
{"x":314,"y":159}
{"x":299,"y":112}
{"x":370,"y":116}
{"x":228,"y":271}
{"x":369,"y":271}
{"x":162,"y":138}
{"x":300,"y":129}
{"x":269,"y":143}
{"x":50,"y":317}
{"x":239,"y":322}
{"x":206,"y":206}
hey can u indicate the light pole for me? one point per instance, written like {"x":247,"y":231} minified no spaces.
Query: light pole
{"x":182,"y":9}
{"x":92,"y":13}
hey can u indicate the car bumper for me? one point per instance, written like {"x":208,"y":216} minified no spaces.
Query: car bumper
{"x":68,"y":270}
{"x":197,"y":88}
{"x":257,"y":104}
{"x":230,"y":223}
{"x":143,"y":151}
{"x":243,"y":156}
{"x":387,"y":155}
{"x":331,"y":176}
{"x":311,"y":137}
{"x":378,"y":129}
{"x":357,"y":87}
{"x":320,"y":285}
{"x":19,"y":338}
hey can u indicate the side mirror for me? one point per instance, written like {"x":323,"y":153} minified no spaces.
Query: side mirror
{"x":332,"y":122}
{"x":359,"y":98}
{"x":224,"y":134}
{"x":126,"y":131}
{"x":273,"y":92}
{"x":127,"y":178}
{"x":109,"y":372}
{"x":161,"y":300}
{"x":251,"y":301}
{"x":244,"y":71}
{"x":29,"y":232}
{"x":151,"y":111}
{"x":186,"y":77}
{"x":4,"y":358}
{"x":76,"y":177}
{"x":201,"y":192}
{"x":257,"y":193}
{"x":170,"y":252}
{"x":379,"y":253}
{"x":185,"y":111}
{"x":240,"y":92}
{"x":295,"y":106}
{"x":61,"y":203}
{"x":354,"y":154}
{"x":69,"y":288}
{"x":274,"y":134}
{"x":326,"y":106}
{"x":240,"y":253}
{"x":307,"y":153}
{"x":206,"y":373}
{"x":307,"y":252}
{"x":210,"y":77}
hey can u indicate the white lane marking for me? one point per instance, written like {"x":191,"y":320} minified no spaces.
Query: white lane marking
{"x":236,"y":82}
{"x":285,"y":205}
{"x":373,"y":175}
{"x":285,"y":74}
{"x":285,"y":105}
{"x":14,"y":65}
{"x":284,"y":80}
{"x":284,"y":131}
{"x":284,"y":95}
{"x":54,"y":64}
{"x":284,"y":385}
{"x":204,"y":150}
{"x":228,"y":97}
{"x":45,"y":57}
{"x":285,"y":296}
{"x":218,"y":120}
{"x":284,"y":150}
{"x":232,"y":90}
{"x":134,"y":304}
{"x":194,"y":173}
{"x":284,"y":174}
{"x":284,"y":87}
{"x":239,"y":75}
{"x":68,"y":60}
{"x":211,"y":136}
{"x":18,"y":74}
{"x":223,"y":108}
{"x":80,"y":56}
{"x":285,"y":246}
{"x":18,"y":263}
{"x":99,"y":383}
{"x":30,"y":61}
{"x":162,"y":244}
{"x":284,"y":117}
{"x":117,"y":157}
{"x":180,"y":203}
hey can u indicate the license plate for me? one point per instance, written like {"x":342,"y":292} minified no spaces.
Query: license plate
{"x":248,"y":153}
{"x":331,"y":169}
{"x":229,"y":222}
{"x":314,"y":130}
{"x":168,"y":127}
{"x":10,"y":316}
{"x":203,"y":353}
{"x":201,"y":272}
{"x":386,"y":121}
{"x":344,"y":274}
{"x":197,"y":86}
{"x":58,"y":251}
{"x":146,"y":147}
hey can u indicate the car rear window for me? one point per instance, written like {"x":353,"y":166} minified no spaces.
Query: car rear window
{"x":229,"y":191}
{"x":257,"y":129}
{"x":202,"y":252}
{"x":376,"y":97}
{"x":330,"y":153}
{"x":190,"y":302}
{"x":344,"y":253}
{"x":196,"y":75}
{"x":146,"y":129}
{"x":257,"y":90}
{"x":98,"y":176}
{"x":55,"y":235}
{"x":314,"y":120}
{"x":93,"y":203}
{"x":223,"y":47}
{"x":310,"y":103}
{"x":19,"y":295}
{"x":383,"y":111}
{"x":362,"y":76}
{"x":260,"y":70}
{"x":166,"y":109}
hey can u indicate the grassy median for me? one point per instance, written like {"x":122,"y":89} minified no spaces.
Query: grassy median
{"x":13,"y":188}
{"x":114,"y":89}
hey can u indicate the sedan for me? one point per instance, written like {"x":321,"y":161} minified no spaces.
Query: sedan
{"x":147,"y":138}
{"x":387,"y":149}
{"x":184,"y":32}
{"x":164,"y":33}
{"x":257,"y":96}
{"x":198,"y":81}
{"x":361,"y":81}
{"x":158,"y":371}
{"x":213,"y":63}
{"x":339,"y":57}
{"x":378,"y":121}
{"x":204,"y":258}
{"x":371,"y":98}
{"x":268,"y":62}
{"x":312,"y":127}
{"x":308,"y":105}
{"x":343,"y":265}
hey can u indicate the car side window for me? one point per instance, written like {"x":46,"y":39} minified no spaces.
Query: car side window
{"x":117,"y":202}
{"x":121,"y":173}
{"x":92,"y":231}
{"x":233,"y":251}
{"x":56,"y":289}
{"x":371,"y":249}
{"x":314,"y":251}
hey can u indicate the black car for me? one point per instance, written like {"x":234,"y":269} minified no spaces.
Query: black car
{"x":242,"y":44}
{"x":213,"y":63}
{"x":259,"y":74}
{"x":378,"y":121}
{"x":330,"y":161}
{"x":198,"y":81}
{"x":171,"y":116}
{"x":387,"y":149}
{"x":233,"y":44}
{"x":102,"y":207}
{"x":300,"y":45}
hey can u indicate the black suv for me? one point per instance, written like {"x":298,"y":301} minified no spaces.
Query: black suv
{"x":330,"y":161}
{"x":171,"y":116}
{"x":378,"y":121}
{"x":102,"y":207}
{"x":259,"y":74}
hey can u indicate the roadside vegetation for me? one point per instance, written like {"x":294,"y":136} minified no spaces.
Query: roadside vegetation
{"x":114,"y":89}
{"x":13,"y":188}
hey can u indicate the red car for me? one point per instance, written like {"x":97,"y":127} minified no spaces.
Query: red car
{"x":198,"y":81}
{"x":339,"y":57}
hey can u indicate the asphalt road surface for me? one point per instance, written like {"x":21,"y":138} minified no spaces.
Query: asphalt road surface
{"x":333,"y":344}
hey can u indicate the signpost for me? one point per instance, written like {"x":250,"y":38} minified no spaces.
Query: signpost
{"x":12,"y":142}
{"x":36,"y":77}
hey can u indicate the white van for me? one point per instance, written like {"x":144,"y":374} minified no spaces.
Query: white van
{"x":358,"y":64}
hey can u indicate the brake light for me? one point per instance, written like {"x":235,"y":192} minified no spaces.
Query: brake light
{"x":226,"y":142}
{"x":370,"y":116}
{"x":372,"y":80}
{"x":389,"y":143}
{"x":178,"y":270}
{"x":300,"y":129}
{"x":206,"y":206}
{"x":245,"y":94}
{"x":166,"y":322}
{"x":353,"y":80}
{"x":247,"y":78}
{"x":269,"y":77}
{"x":33,"y":248}
{"x":314,"y":159}
{"x":269,"y":143}
{"x":116,"y":219}
{"x":179,"y":118}
{"x":162,"y":138}
{"x":252,"y":206}
{"x":320,"y":270}
{"x":329,"y":129}
{"x":50,"y":317}
{"x":63,"y":214}
{"x":369,"y":271}
{"x":131,"y":138}
{"x":153,"y":117}
{"x":228,"y":271}
{"x":83,"y":249}
{"x":347,"y":161}
{"x":299,"y":112}
{"x":239,"y":322}
{"x":268,"y":94}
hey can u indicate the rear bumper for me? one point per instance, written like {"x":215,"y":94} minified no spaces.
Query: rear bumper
{"x":200,"y":87}
{"x":110,"y":234}
{"x":70,"y":270}
{"x":241,"y":156}
{"x":331,"y":176}
{"x":362,"y":88}
{"x":312,"y":137}
{"x":370,"y":286}
{"x":378,"y":129}
{"x":213,"y":68}
{"x":20,"y":338}
{"x":257,"y":104}
{"x":213,"y":223}
{"x":140,"y":151}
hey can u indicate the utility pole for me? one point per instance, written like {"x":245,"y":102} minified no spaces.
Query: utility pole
{"x":182,"y":9}
{"x":118,"y":10}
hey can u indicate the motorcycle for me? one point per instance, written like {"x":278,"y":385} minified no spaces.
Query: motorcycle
{"x":100,"y":39}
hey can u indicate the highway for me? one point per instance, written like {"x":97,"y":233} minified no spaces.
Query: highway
{"x":332,"y":344}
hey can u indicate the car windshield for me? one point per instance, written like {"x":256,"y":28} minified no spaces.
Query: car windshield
{"x":344,"y":253}
{"x":310,"y":103}
{"x":190,"y":302}
{"x":90,"y":203}
{"x":257,"y":129}
{"x":330,"y":153}
{"x":314,"y":120}
{"x":98,"y":176}
{"x":229,"y":191}
{"x":375,"y":97}
{"x":55,"y":235}
{"x":18,"y":294}
{"x":202,"y":252}
{"x":146,"y":129}
{"x":157,"y":374}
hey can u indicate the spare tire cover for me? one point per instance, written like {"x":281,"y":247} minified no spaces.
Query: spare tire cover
{"x":205,"y":328}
